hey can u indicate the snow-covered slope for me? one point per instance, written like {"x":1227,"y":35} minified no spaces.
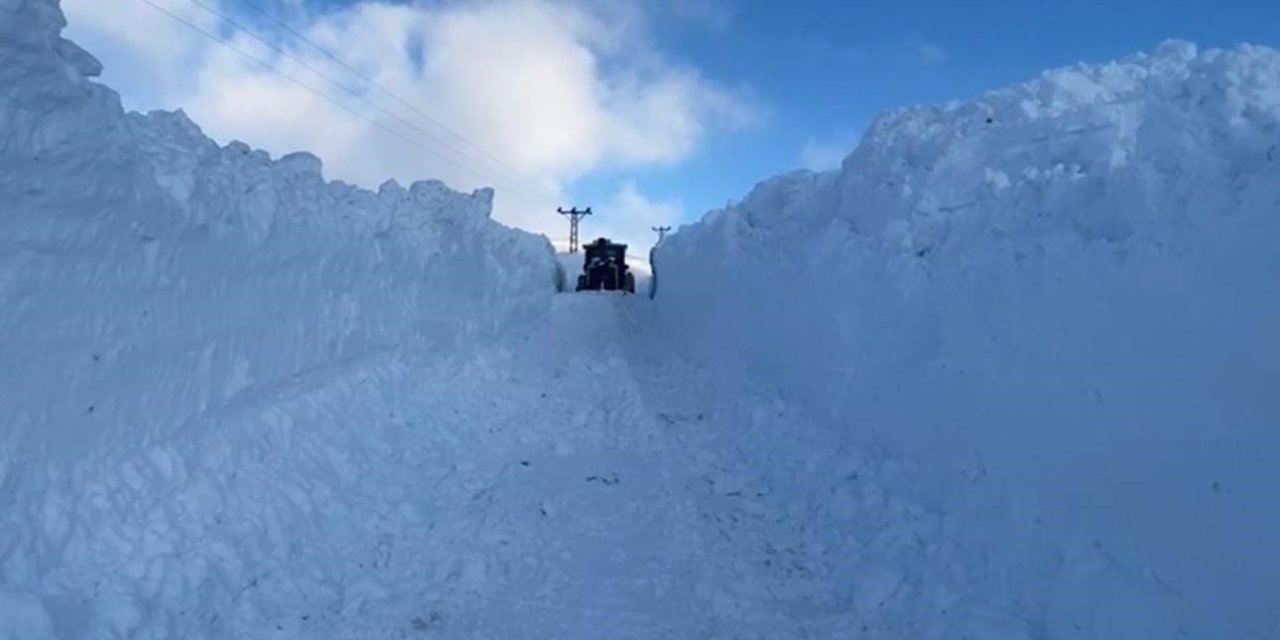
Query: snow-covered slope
{"x":1056,"y":306}
{"x":148,"y":270}
{"x":1005,"y":375}
{"x":160,"y":292}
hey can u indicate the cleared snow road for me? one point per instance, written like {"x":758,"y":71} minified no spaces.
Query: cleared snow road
{"x":576,"y":480}
{"x":528,"y":489}
{"x":573,"y":479}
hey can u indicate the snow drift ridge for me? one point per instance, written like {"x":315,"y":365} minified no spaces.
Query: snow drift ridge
{"x":1058,"y":301}
{"x":1052,"y":307}
{"x":154,"y":282}
{"x":141,"y":257}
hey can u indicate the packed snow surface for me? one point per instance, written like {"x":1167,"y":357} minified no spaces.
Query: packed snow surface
{"x":1058,"y":306}
{"x":1007,"y":374}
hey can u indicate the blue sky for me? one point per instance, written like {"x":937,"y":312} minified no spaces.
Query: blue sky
{"x":824,"y":68}
{"x":651,"y":111}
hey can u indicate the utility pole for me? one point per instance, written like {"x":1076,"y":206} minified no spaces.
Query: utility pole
{"x":662,"y":232}
{"x":574,"y":216}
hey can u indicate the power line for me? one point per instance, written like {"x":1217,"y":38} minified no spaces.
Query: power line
{"x":339,"y":61}
{"x":574,"y":216}
{"x":299,"y":83}
{"x":477,"y":169}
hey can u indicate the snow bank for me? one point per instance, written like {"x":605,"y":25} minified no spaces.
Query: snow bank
{"x":141,"y":259}
{"x":153,"y":284}
{"x":1057,"y":304}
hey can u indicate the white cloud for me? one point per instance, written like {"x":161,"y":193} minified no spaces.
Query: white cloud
{"x":821,"y":49}
{"x":715,"y":15}
{"x":555,"y":89}
{"x":628,"y":217}
{"x":151,"y":65}
{"x":824,"y":155}
{"x":631,"y":217}
{"x":927,"y":52}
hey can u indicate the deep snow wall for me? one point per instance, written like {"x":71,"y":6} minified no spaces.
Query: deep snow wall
{"x":148,"y":273}
{"x":152,"y":281}
{"x":1059,"y":302}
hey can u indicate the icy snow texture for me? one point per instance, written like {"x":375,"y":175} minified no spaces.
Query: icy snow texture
{"x":157,"y":289}
{"x":1000,"y":379}
{"x":148,"y":271}
{"x":1058,"y":306}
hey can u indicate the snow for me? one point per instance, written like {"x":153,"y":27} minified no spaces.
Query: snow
{"x":1057,"y":303}
{"x":176,"y":315}
{"x":1004,"y":375}
{"x":208,"y":275}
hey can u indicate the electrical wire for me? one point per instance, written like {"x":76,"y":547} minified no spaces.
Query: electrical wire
{"x":321,"y":94}
{"x":339,"y":61}
{"x":513,"y":179}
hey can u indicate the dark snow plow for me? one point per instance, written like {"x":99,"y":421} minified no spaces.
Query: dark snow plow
{"x":605,"y":268}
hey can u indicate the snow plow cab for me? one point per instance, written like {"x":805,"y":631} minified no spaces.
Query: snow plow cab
{"x":605,"y":268}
